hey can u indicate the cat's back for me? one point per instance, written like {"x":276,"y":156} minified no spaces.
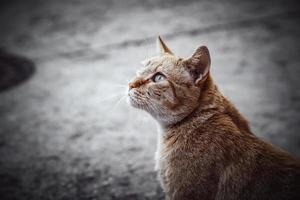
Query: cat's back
{"x":217,"y":160}
{"x":250,"y":168}
{"x":266,"y":174}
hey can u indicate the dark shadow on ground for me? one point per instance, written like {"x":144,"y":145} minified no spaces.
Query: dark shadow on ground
{"x":14,"y":70}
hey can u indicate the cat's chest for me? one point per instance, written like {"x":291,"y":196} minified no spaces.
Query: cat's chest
{"x":164,"y":154}
{"x":162,"y":165}
{"x":161,"y":158}
{"x":158,"y":152}
{"x":160,"y":155}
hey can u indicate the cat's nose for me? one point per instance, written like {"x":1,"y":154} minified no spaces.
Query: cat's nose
{"x":131,"y":85}
{"x":136,"y":83}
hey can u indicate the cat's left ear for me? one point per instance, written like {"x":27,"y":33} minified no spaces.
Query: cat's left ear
{"x":162,"y":47}
{"x":199,"y":64}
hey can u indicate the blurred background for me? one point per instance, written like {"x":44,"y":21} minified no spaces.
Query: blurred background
{"x":66,"y":132}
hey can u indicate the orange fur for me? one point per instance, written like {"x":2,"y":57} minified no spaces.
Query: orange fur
{"x":206,"y":149}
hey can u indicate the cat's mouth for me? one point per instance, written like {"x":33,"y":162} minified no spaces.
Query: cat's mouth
{"x":135,"y":99}
{"x":132,"y":99}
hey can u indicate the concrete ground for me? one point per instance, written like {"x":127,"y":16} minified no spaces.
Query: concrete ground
{"x":67,"y":133}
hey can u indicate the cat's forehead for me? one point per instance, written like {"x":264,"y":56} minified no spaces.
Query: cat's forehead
{"x":164,"y":63}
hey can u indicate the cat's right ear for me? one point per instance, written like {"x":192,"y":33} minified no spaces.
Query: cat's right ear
{"x":199,"y":64}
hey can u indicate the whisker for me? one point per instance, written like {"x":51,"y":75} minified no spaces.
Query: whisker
{"x":119,"y":85}
{"x":110,"y":97}
{"x":119,"y":101}
{"x":111,"y":111}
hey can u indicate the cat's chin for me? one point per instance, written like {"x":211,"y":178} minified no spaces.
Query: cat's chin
{"x":134,"y":103}
{"x":131,"y":102}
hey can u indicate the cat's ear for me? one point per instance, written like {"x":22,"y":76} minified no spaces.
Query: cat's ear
{"x":199,"y":64}
{"x":162,"y":47}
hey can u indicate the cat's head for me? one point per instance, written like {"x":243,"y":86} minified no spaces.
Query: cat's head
{"x":168,"y":87}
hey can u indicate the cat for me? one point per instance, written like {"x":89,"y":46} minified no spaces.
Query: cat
{"x":206,"y":149}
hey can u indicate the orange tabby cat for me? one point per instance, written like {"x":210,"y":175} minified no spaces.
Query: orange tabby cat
{"x":206,"y":149}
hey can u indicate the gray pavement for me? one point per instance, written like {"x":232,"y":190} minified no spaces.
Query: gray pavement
{"x":67,"y":132}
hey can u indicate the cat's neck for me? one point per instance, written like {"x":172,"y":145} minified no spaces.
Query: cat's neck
{"x":210,"y":103}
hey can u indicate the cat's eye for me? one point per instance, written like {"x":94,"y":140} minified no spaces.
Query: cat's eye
{"x":158,"y":77}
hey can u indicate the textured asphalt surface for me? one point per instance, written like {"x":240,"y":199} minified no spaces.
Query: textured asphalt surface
{"x":66,"y":133}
